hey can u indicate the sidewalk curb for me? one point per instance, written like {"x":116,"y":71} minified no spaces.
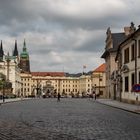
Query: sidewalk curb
{"x":131,"y":111}
{"x":13,"y":101}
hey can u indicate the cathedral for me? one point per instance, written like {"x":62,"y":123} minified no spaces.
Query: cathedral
{"x":22,"y":60}
{"x":12,"y":66}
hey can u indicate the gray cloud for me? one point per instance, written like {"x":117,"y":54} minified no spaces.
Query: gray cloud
{"x":60,"y":34}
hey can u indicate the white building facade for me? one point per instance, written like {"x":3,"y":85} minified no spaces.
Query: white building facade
{"x":128,"y":58}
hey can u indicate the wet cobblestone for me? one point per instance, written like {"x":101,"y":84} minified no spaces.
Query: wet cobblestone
{"x":70,"y":119}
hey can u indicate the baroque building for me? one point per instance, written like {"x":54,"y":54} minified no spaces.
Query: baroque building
{"x":36,"y":84}
{"x":128,"y":60}
{"x":99,"y":80}
{"x":111,"y":46}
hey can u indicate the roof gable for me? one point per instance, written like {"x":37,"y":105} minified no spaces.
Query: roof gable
{"x":101,"y":68}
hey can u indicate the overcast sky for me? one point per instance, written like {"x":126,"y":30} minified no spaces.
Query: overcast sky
{"x":64,"y":35}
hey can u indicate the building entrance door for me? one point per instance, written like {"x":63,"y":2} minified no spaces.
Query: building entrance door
{"x":48,"y":89}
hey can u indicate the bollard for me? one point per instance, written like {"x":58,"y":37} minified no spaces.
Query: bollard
{"x":137,"y":102}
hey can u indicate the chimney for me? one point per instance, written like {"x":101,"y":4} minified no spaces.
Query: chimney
{"x":129,"y":30}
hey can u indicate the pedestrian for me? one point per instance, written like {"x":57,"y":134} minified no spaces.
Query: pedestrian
{"x":58,"y":97}
{"x":95,"y":96}
{"x":91,"y":95}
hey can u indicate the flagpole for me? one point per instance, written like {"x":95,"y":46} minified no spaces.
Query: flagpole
{"x":84,"y":67}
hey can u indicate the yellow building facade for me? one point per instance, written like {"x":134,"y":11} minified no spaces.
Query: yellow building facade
{"x":37,"y":84}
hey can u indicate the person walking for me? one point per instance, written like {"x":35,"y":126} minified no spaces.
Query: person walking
{"x":58,"y":97}
{"x":95,"y":96}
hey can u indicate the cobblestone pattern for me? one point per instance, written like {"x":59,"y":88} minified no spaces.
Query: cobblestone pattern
{"x":69,"y":119}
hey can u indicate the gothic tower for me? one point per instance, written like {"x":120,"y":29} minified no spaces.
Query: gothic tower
{"x":24,"y":60}
{"x":15,"y":52}
{"x":1,"y":52}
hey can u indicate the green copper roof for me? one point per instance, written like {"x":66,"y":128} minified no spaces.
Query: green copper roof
{"x":24,"y":53}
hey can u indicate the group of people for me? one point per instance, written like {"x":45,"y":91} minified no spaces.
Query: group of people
{"x":93,"y":95}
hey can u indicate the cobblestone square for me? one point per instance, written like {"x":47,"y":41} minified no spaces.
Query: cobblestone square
{"x":69,"y":119}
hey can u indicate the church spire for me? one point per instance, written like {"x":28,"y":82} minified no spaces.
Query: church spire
{"x":24,"y":43}
{"x":24,"y":59}
{"x":15,"y":53}
{"x":24,"y":46}
{"x":1,"y":51}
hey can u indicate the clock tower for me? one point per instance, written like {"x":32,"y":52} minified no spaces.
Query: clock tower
{"x":24,"y":60}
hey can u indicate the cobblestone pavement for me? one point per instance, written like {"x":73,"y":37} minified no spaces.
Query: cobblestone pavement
{"x":69,"y":119}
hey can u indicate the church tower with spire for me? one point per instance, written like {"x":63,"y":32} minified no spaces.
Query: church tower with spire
{"x":24,"y":60}
{"x":1,"y":52}
{"x":15,"y":52}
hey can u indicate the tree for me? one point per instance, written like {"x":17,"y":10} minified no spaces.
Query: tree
{"x":5,"y":86}
{"x":2,"y":80}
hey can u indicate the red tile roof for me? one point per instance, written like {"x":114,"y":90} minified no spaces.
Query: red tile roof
{"x":52,"y":74}
{"x":101,"y":68}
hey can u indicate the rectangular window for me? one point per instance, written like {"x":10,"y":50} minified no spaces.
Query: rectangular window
{"x":100,"y":79}
{"x":126,"y":55}
{"x":101,"y":92}
{"x":126,"y":83}
{"x":132,"y":52}
{"x":132,"y":79}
